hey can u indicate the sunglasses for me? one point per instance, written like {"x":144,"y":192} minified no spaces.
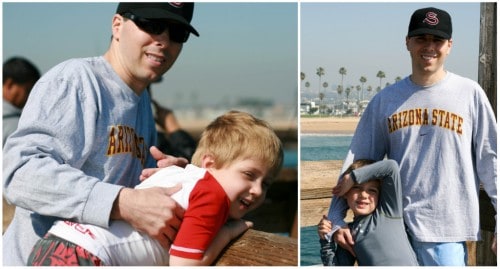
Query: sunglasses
{"x":176,"y":32}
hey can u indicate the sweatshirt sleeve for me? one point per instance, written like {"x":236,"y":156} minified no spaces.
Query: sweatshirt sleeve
{"x":390,"y":197}
{"x":43,"y":160}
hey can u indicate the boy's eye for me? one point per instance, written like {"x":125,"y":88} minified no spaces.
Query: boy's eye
{"x":266,"y":184}
{"x":373,"y":191}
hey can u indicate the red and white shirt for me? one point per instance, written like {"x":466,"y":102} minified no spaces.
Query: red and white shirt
{"x":207,"y":209}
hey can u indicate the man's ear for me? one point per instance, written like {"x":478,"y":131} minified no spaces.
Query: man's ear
{"x":208,"y":161}
{"x":115,"y":26}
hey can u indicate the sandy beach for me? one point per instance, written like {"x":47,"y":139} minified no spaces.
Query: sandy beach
{"x":328,"y":125}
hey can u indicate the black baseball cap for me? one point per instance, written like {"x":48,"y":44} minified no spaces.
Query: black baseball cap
{"x":181,"y":12}
{"x":430,"y":21}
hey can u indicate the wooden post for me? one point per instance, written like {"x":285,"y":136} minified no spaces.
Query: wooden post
{"x":487,"y":75}
{"x":256,"y":248}
{"x":479,"y":252}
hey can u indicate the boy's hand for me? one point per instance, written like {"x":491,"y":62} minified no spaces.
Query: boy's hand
{"x":233,"y":228}
{"x":324,"y":227}
{"x":343,"y":186}
{"x":344,"y":239}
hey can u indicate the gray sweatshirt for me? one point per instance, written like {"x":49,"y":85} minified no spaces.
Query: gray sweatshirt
{"x":444,"y":139}
{"x":83,"y":135}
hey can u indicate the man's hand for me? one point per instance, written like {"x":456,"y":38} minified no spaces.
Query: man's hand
{"x":167,"y":160}
{"x":162,"y":162}
{"x":151,"y":211}
{"x":343,"y":186}
{"x":344,"y":239}
{"x":324,"y":227}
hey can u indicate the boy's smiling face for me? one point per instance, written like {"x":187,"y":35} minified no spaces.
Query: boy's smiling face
{"x":245,"y":182}
{"x":363,"y":198}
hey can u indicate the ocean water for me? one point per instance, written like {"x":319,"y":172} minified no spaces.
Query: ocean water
{"x":324,"y":147}
{"x":318,"y":148}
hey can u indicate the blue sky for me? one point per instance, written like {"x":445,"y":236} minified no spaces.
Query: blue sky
{"x":368,"y":37}
{"x":244,"y":49}
{"x":250,"y":49}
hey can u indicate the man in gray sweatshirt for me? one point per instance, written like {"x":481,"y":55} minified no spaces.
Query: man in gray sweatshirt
{"x":87,"y":133}
{"x":441,"y":130}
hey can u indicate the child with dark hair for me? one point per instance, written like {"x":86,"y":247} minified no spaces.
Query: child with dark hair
{"x":372,"y":191}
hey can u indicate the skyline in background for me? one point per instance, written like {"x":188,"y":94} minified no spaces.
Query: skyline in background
{"x":367,"y":37}
{"x":245,"y":50}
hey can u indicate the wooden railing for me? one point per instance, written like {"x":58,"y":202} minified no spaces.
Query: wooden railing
{"x":479,"y":253}
{"x":256,"y":248}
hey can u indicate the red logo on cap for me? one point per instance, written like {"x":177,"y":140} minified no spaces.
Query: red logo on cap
{"x":431,"y":18}
{"x":177,"y":4}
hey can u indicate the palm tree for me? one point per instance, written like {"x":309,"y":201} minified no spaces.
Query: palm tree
{"x":362,"y":79}
{"x":358,"y":88}
{"x":369,"y":90}
{"x":322,"y":95}
{"x":302,"y":77}
{"x":347,"y":92}
{"x":325,"y":85}
{"x":339,"y":91}
{"x":342,"y":72}
{"x":398,"y":78}
{"x":307,"y":84}
{"x":380,"y":75}
{"x":320,"y":71}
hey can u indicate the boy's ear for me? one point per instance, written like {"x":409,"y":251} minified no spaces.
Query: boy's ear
{"x":208,"y":161}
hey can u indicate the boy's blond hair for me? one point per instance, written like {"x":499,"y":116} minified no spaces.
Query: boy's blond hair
{"x":238,"y":135}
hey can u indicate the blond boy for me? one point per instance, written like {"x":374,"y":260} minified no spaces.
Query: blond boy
{"x":237,"y":158}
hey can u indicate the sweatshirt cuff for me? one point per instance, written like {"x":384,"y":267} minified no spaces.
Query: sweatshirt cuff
{"x":97,"y":210}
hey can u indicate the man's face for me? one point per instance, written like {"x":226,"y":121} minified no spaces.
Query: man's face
{"x":428,"y":53}
{"x":17,"y":93}
{"x":144,"y":57}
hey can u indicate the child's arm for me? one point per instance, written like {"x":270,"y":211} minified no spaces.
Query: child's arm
{"x":343,"y":186}
{"x":228,"y":232}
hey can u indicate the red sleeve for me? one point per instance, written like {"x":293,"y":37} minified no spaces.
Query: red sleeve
{"x":207,"y":211}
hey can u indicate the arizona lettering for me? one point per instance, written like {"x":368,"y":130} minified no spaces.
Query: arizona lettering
{"x":123,"y":139}
{"x":421,"y":116}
